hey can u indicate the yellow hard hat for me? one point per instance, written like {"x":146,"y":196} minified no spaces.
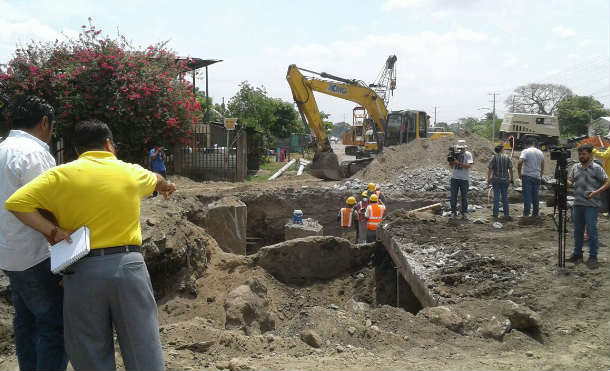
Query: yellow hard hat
{"x":365,"y":194}
{"x":371,"y":187}
{"x":351,"y":200}
{"x":374,"y":198}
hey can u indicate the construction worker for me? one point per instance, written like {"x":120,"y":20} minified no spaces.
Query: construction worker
{"x":346,"y":217}
{"x":360,"y":210}
{"x":373,"y":189}
{"x":605,"y":155}
{"x":374,"y":215}
{"x":381,"y":196}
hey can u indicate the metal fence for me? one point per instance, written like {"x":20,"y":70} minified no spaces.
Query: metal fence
{"x":211,"y":153}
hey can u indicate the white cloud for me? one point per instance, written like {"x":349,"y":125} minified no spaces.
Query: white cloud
{"x":401,"y":4}
{"x":26,"y":30}
{"x":563,"y":32}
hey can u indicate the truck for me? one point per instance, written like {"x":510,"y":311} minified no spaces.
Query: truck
{"x":519,"y":126}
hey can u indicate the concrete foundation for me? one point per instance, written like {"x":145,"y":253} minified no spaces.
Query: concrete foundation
{"x":410,"y":270}
{"x":310,"y":227}
{"x":226,"y":221}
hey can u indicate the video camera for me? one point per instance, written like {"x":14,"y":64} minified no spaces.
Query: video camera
{"x":561,"y":154}
{"x":455,"y":153}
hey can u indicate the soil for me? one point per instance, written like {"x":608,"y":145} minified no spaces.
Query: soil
{"x":354,"y":312}
{"x":430,"y":153}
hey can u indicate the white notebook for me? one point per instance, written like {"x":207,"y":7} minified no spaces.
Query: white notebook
{"x":64,"y":254}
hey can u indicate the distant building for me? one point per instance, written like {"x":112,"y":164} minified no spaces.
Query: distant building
{"x":600,"y":126}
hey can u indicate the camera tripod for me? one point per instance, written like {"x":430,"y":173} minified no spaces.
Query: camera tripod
{"x":560,"y":210}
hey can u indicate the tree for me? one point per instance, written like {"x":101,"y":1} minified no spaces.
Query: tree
{"x":482,"y":128}
{"x":137,"y":92}
{"x":274,"y":117}
{"x":326,"y":124}
{"x":340,"y":128}
{"x":576,"y":112}
{"x":537,"y":98}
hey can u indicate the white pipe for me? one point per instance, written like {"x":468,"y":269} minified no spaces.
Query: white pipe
{"x":300,"y":171}
{"x":281,"y":171}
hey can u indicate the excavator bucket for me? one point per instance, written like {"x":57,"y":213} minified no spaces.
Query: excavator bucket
{"x":325,"y":165}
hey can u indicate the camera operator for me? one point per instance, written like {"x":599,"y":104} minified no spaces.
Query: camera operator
{"x":590,"y":180}
{"x":157,"y":159}
{"x":460,"y":160}
{"x":530,"y":169}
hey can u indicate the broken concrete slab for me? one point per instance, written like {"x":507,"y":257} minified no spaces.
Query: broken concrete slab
{"x":309,"y":227}
{"x":312,"y":258}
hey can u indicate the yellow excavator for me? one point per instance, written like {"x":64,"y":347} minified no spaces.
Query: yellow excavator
{"x":325,"y":164}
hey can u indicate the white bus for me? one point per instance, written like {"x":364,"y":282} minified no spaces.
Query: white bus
{"x":521,"y":125}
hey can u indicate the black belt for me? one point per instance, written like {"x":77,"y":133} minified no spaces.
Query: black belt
{"x":114,"y":250}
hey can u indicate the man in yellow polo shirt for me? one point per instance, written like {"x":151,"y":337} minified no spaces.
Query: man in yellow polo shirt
{"x":110,"y":287}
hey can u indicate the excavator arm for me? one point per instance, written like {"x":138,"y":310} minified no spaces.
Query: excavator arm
{"x":325,"y":164}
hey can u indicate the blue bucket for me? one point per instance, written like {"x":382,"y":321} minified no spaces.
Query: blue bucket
{"x":297,"y":217}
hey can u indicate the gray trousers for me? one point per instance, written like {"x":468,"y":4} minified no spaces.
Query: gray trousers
{"x":362,"y":232}
{"x":105,"y":292}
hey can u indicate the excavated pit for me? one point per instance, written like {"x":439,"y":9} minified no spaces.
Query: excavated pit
{"x":247,"y":223}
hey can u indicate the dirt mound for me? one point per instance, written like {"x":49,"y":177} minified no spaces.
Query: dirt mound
{"x":424,"y":153}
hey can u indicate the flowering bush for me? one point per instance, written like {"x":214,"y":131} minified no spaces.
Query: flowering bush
{"x":140,"y":93}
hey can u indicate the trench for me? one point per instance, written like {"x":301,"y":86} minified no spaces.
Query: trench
{"x":268,"y":213}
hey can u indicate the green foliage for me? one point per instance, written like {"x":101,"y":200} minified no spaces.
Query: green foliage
{"x":327,"y":124}
{"x":482,"y":128}
{"x":274,"y":117}
{"x":575,"y":113}
{"x":137,"y":92}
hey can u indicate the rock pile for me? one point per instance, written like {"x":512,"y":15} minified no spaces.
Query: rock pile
{"x":428,"y":179}
{"x":434,"y":179}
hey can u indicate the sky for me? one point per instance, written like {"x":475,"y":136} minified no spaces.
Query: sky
{"x":451,"y":53}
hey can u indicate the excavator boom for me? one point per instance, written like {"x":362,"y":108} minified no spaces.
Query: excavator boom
{"x":325,"y":164}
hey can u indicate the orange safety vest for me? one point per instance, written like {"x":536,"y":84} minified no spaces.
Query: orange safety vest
{"x":375,"y":212}
{"x":346,"y":217}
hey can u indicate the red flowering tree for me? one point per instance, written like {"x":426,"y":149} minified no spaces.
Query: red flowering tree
{"x":140,"y":93}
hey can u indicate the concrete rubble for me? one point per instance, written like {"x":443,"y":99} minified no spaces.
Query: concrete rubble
{"x":309,"y":227}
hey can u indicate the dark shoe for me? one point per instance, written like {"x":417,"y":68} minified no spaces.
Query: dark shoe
{"x":576,"y":259}
{"x":592,"y":262}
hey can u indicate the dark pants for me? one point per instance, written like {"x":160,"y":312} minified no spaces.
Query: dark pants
{"x":39,"y":331}
{"x":164,"y":175}
{"x":106,"y":292}
{"x":461,"y":186}
{"x":371,"y":236}
{"x":585,"y":216}
{"x":530,"y":186}
{"x":605,"y":198}
{"x":500,"y":191}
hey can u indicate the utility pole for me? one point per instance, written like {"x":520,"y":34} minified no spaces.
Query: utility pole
{"x":434,"y":116}
{"x":493,"y":118}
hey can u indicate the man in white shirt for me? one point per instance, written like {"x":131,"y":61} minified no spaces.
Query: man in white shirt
{"x":24,"y":252}
{"x":530,"y":169}
{"x":460,"y":177}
